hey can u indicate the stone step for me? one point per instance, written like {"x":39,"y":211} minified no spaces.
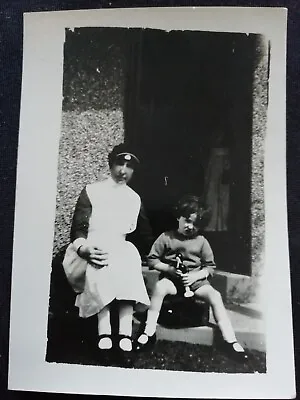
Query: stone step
{"x":203,"y":335}
{"x":248,"y":325}
{"x":247,"y":321}
{"x":235,"y":288}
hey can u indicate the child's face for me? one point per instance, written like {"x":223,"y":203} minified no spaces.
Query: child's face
{"x":187,"y":225}
{"x":121,"y":171}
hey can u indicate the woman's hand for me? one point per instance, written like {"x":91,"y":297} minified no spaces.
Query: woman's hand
{"x":94,"y":255}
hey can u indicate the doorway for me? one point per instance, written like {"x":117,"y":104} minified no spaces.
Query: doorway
{"x":188,"y":112}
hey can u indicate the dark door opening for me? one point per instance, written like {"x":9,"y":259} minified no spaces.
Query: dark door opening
{"x":188,"y":105}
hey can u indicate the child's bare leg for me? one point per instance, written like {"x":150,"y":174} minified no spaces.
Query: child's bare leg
{"x":125,"y":324}
{"x":214,"y":298}
{"x":162,"y":288}
{"x":104,"y":328}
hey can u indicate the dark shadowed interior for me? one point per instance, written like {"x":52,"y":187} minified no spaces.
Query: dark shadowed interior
{"x":188,"y":93}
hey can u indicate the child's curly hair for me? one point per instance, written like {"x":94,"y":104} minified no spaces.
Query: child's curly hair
{"x":190,"y":204}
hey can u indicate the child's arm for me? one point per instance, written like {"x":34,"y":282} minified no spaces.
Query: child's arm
{"x":156,"y":255}
{"x":163,"y":267}
{"x":207,"y":259}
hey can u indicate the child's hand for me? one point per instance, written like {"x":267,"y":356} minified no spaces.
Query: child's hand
{"x":96,"y":257}
{"x":174,"y":272}
{"x":189,"y":278}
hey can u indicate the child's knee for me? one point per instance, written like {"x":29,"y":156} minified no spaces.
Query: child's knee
{"x":215,"y":297}
{"x":163,"y":288}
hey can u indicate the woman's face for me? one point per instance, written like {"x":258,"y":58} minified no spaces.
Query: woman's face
{"x":121,"y":171}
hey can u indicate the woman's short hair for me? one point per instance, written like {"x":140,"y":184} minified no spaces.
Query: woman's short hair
{"x":191,"y":204}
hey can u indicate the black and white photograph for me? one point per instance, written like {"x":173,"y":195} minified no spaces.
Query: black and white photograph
{"x":157,"y":201}
{"x":188,"y":110}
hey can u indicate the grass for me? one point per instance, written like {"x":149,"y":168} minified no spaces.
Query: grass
{"x":65,"y":347}
{"x":181,"y":356}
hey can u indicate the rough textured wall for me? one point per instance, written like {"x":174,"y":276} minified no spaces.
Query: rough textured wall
{"x":260,"y":104}
{"x":86,"y":139}
{"x":92,"y":118}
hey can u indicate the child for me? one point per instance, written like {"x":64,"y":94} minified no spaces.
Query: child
{"x":199,"y":260}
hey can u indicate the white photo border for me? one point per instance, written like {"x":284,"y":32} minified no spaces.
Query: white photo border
{"x":40,"y":123}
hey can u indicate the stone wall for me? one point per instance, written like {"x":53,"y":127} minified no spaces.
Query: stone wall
{"x":241,"y":288}
{"x":86,"y":139}
{"x":260,"y":104}
{"x":92,"y":117}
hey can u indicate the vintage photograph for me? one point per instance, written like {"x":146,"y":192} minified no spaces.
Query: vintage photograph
{"x":150,"y":239}
{"x":159,"y":232}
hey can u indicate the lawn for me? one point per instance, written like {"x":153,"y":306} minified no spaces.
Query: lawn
{"x":181,"y":356}
{"x":65,"y":347}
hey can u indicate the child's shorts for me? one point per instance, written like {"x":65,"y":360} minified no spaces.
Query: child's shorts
{"x":179,"y":285}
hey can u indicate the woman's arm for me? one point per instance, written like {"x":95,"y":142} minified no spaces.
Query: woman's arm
{"x":81,"y":218}
{"x":142,"y":237}
{"x":79,"y":232}
{"x":144,"y":229}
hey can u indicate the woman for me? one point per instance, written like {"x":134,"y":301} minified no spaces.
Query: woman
{"x":105,"y":213}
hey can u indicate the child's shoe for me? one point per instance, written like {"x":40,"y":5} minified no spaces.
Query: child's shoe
{"x":144,"y":342}
{"x":235,"y":351}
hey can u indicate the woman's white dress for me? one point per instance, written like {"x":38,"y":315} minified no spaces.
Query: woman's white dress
{"x":115,"y":210}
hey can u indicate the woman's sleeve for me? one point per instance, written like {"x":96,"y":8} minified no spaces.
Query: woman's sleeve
{"x":157,"y":251}
{"x":207,"y":257}
{"x":142,"y":237}
{"x":81,"y":217}
{"x":144,"y":228}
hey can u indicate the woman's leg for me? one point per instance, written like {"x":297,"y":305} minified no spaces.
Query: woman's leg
{"x":125,"y":324}
{"x":104,"y":328}
{"x":162,"y":288}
